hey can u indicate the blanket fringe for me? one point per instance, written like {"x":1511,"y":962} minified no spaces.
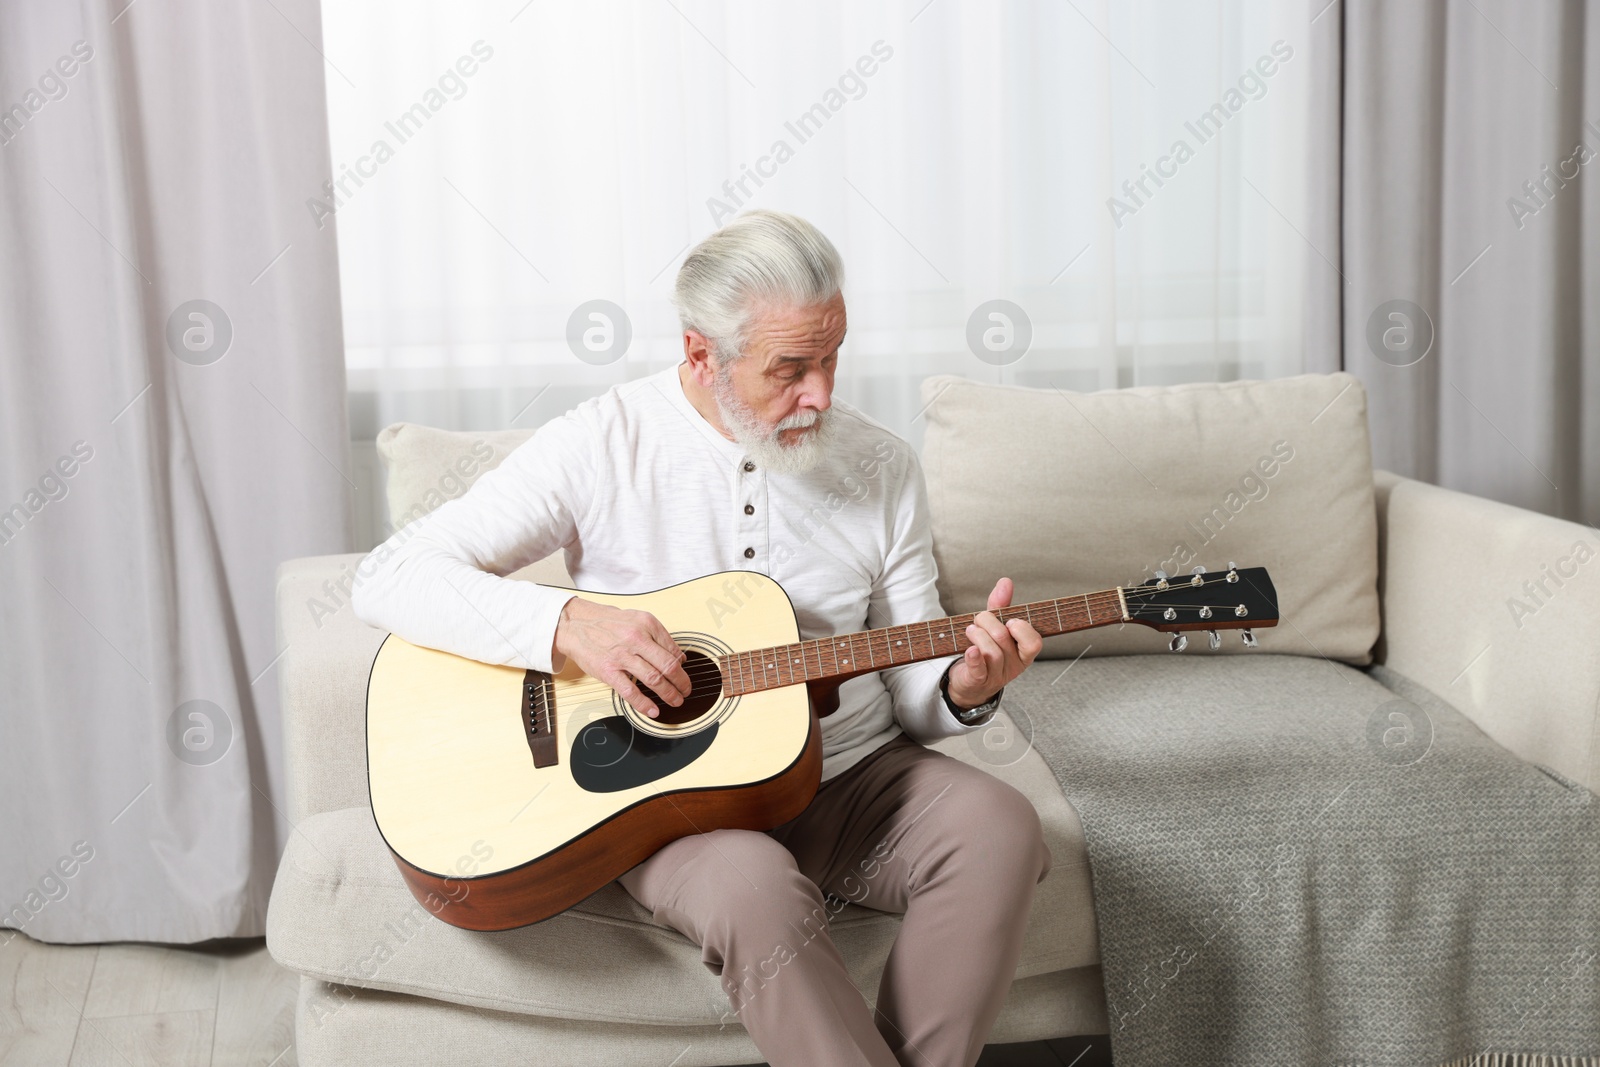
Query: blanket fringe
{"x":1522,"y":1059}
{"x":1518,"y":1059}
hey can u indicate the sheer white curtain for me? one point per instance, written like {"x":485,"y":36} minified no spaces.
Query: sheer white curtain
{"x":956,"y":153}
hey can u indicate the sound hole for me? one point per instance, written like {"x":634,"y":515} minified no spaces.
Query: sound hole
{"x":705,"y":682}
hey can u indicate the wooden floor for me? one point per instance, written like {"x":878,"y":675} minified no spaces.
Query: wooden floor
{"x":224,"y":1003}
{"x":127,"y":1005}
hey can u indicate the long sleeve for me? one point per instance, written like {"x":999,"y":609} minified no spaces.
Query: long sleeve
{"x":906,"y":592}
{"x":438,"y":581}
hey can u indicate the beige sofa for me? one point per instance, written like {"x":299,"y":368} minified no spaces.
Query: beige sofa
{"x":1424,"y":574}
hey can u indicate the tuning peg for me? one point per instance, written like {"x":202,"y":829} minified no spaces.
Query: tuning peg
{"x":1161,"y":579}
{"x":1214,"y":639}
{"x":1198,"y":570}
{"x":1179,"y":643}
{"x":1233,"y":571}
{"x":1249,"y":639}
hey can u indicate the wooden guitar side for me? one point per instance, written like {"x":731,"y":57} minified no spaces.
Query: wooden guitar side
{"x":546,"y":887}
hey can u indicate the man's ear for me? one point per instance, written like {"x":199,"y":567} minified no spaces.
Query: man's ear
{"x":697,"y":350}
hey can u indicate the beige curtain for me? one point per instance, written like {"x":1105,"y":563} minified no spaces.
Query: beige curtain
{"x":172,"y":426}
{"x":1456,"y":213}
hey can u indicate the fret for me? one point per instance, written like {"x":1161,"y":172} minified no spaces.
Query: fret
{"x":1087,"y":609}
{"x":956,"y":630}
{"x":809,"y":647}
{"x":1056,"y":604}
{"x":861,"y":650}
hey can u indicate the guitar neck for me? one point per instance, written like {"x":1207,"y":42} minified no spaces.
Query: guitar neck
{"x":893,"y":646}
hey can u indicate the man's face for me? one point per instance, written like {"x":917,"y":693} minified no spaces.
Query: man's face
{"x":775,"y":399}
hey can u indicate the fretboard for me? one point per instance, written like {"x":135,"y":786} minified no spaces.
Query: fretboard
{"x":893,"y":646}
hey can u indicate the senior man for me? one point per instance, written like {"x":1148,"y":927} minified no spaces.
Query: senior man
{"x":739,"y":457}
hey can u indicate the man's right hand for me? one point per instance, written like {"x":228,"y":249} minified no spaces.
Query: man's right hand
{"x":620,"y":646}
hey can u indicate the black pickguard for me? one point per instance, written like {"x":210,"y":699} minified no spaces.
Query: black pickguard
{"x":609,"y":755}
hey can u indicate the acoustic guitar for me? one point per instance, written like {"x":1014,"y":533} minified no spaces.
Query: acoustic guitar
{"x":508,"y":795}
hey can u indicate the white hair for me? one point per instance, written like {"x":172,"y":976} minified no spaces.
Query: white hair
{"x":760,"y":257}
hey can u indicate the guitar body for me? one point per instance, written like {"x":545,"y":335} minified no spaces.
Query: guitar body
{"x":506,"y":796}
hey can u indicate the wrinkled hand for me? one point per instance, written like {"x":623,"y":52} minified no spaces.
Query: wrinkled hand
{"x":999,"y":652}
{"x":620,"y":646}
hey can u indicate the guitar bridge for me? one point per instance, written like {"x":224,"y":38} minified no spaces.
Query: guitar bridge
{"x":539,"y":719}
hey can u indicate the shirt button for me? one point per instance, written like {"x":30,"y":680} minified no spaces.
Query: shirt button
{"x":748,"y":466}
{"x":749,"y":553}
{"x":749,"y":509}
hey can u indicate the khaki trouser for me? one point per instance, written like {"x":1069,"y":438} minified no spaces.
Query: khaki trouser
{"x":905,"y":830}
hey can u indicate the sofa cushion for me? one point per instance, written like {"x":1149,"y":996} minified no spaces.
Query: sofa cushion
{"x":425,"y":466}
{"x":340,"y":913}
{"x":346,"y":1027}
{"x":1072,"y":492}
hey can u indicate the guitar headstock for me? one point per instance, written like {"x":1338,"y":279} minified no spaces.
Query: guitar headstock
{"x":1235,"y":599}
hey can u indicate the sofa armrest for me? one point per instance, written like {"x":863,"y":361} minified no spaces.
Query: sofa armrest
{"x":1496,"y":610}
{"x":327,"y":656}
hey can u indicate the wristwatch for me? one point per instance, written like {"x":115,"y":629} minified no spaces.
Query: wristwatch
{"x":967,"y":716}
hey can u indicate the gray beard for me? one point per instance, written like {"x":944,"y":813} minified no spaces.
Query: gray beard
{"x":762,"y":442}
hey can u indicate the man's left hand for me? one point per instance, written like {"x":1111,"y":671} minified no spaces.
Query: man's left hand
{"x":999,"y":652}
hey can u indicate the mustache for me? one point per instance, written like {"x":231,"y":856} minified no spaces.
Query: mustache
{"x":800,"y":420}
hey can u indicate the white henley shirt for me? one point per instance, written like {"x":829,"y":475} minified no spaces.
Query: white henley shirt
{"x":641,"y":492}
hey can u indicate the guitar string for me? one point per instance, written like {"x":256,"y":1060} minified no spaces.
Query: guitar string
{"x":712,"y":673}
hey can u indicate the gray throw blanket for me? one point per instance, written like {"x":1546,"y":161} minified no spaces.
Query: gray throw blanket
{"x":1299,"y":862}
